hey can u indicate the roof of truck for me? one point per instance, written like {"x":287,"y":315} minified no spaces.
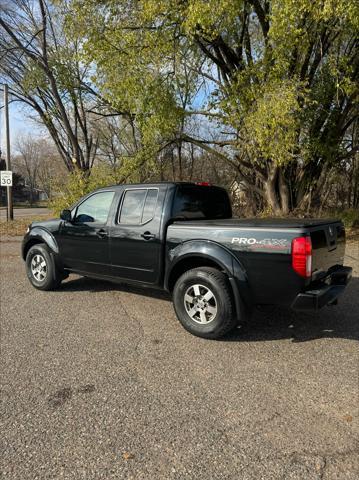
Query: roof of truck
{"x":158,"y":184}
{"x":144,"y":184}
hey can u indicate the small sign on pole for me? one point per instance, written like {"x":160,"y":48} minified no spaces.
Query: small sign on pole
{"x":6,"y":178}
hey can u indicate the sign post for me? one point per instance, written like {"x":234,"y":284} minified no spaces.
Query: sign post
{"x":10,"y":211}
{"x":6,"y":181}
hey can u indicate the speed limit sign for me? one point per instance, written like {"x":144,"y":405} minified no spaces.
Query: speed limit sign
{"x":6,"y":178}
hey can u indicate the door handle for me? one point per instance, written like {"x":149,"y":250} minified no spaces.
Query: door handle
{"x":148,"y":236}
{"x":101,"y":233}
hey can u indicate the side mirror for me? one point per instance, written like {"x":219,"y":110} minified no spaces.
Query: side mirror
{"x":66,"y":215}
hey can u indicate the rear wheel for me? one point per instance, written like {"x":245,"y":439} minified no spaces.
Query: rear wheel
{"x":40,"y":268}
{"x":203,"y":302}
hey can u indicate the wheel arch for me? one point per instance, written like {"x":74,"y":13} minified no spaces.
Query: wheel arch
{"x":188,"y":262}
{"x":36,"y":236}
{"x":193,"y":254}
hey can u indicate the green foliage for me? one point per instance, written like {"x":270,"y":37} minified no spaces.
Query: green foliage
{"x":280,"y":75}
{"x":33,"y":78}
{"x":271,"y":123}
{"x":80,"y":183}
{"x":131,"y":66}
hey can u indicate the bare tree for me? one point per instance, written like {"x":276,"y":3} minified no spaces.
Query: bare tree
{"x":27,"y":163}
{"x":51,"y":173}
{"x":37,"y":161}
{"x":42,"y":66}
{"x":118,"y":138}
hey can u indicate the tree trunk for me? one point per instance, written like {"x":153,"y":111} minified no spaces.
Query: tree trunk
{"x":283,"y":193}
{"x":271,"y":191}
{"x":31,"y":196}
{"x":179,"y":152}
{"x":277,"y":191}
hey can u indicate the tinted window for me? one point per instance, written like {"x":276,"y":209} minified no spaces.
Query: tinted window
{"x":138,"y":206}
{"x":95,"y":209}
{"x":132,"y":206}
{"x":150,"y":205}
{"x":193,"y":201}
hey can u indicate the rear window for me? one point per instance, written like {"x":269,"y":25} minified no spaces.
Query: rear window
{"x":196,"y":202}
{"x":138,"y":206}
{"x":132,"y":206}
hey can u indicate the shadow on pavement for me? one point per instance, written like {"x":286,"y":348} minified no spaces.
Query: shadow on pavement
{"x":86,"y":284}
{"x":338,"y":321}
{"x":277,"y":323}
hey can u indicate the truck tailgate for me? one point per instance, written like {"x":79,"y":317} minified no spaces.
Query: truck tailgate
{"x":328,"y":247}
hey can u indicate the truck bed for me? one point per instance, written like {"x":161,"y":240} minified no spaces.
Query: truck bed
{"x":264,"y":246}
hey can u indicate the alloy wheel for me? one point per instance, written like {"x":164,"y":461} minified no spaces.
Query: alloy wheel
{"x":200,"y":304}
{"x":38,"y":267}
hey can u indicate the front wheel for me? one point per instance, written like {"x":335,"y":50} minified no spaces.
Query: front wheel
{"x":203,"y":302}
{"x":40,"y":268}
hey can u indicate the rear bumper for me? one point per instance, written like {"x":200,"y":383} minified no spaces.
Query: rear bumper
{"x":326,"y":293}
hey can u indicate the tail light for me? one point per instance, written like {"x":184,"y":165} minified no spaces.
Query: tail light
{"x":203,"y":184}
{"x":302,"y":256}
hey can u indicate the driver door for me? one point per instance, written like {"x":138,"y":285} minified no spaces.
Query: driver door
{"x":84,"y":242}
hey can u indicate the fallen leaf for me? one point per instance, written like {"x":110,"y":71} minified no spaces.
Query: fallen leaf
{"x":348,"y":418}
{"x":128,"y":456}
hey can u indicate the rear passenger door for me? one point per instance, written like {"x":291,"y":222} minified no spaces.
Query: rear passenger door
{"x":135,"y":237}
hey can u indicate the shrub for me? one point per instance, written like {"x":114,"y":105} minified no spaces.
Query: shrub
{"x":80,"y":183}
{"x":350,"y":217}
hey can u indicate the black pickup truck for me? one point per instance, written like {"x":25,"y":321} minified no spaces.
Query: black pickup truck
{"x":181,"y":237}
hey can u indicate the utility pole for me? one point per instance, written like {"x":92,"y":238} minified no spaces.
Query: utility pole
{"x":10,"y":211}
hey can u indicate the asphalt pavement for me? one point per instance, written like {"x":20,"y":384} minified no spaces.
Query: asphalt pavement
{"x":26,"y":212}
{"x":100,"y":381}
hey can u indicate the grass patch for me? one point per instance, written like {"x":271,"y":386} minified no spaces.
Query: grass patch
{"x":18,"y":227}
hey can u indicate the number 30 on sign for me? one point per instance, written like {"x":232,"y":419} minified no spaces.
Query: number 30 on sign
{"x":6,"y":178}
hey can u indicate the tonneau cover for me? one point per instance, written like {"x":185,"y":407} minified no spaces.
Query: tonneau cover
{"x":260,"y":222}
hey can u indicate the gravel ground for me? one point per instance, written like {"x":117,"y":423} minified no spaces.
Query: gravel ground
{"x":100,"y":381}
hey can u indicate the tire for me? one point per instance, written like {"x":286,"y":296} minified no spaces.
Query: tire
{"x":203,"y":303}
{"x":40,"y":268}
